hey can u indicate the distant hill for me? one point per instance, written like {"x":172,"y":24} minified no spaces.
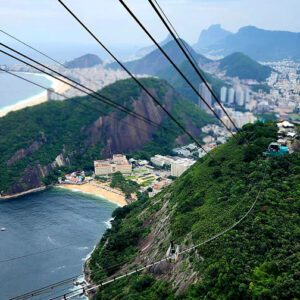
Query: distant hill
{"x":242,"y":66}
{"x":85,"y":61}
{"x":146,"y":50}
{"x":182,"y":87}
{"x":260,"y":44}
{"x":155,"y":62}
{"x":210,"y":36}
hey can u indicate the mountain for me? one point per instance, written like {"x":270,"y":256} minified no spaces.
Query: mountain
{"x":242,"y":66}
{"x":146,"y":50}
{"x":85,"y":61}
{"x":258,"y":258}
{"x":260,"y":44}
{"x":155,"y":62}
{"x":181,"y":85}
{"x":210,"y":36}
{"x":40,"y":142}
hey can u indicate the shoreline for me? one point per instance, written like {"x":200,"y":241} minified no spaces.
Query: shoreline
{"x":58,"y":87}
{"x":17,"y":195}
{"x":97,"y":190}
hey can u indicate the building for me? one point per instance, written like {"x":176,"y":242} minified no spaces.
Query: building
{"x":247,"y":95}
{"x":179,"y":166}
{"x":118,"y":163}
{"x":159,"y":160}
{"x":231,"y":94}
{"x":239,"y":96}
{"x":206,"y":94}
{"x":223,"y":94}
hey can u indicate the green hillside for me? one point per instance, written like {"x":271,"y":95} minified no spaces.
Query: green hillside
{"x":242,"y":66}
{"x":32,"y":139}
{"x":257,"y":259}
{"x":181,"y":85}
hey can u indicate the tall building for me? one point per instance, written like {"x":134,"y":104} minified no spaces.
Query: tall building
{"x":231,"y":93}
{"x":206,"y":94}
{"x":239,"y":97}
{"x":247,"y":95}
{"x":223,"y":94}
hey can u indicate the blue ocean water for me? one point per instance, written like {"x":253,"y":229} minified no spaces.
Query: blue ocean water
{"x":13,"y":89}
{"x":47,"y":239}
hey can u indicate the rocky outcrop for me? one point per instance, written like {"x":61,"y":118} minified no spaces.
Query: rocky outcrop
{"x":20,"y":154}
{"x":32,"y":177}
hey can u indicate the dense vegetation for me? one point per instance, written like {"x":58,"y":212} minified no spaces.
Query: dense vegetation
{"x":258,"y":259}
{"x":242,"y":66}
{"x":128,"y":187}
{"x":174,"y":78}
{"x":32,"y":138}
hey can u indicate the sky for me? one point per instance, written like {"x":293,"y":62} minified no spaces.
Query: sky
{"x":46,"y":24}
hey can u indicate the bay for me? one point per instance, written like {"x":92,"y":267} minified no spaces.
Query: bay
{"x":14,"y":90}
{"x":48,"y":237}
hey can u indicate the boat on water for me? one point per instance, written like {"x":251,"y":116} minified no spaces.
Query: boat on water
{"x":3,"y":229}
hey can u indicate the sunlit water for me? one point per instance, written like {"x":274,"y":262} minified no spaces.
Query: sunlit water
{"x":65,"y":225}
{"x":14,"y":90}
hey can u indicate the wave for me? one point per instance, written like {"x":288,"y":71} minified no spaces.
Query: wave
{"x":108,"y":223}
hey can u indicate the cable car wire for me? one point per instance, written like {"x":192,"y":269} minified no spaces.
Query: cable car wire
{"x":173,"y":64}
{"x":101,"y":97}
{"x":132,"y":76}
{"x":188,"y":55}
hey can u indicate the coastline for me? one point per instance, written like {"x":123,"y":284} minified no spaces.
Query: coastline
{"x":98,"y":190}
{"x":39,"y":189}
{"x":58,"y":87}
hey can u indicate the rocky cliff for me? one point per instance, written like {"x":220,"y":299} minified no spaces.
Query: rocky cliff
{"x":39,"y":143}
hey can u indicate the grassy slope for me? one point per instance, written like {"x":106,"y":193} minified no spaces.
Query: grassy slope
{"x":242,"y":66}
{"x":259,"y":259}
{"x":60,"y":125}
{"x":173,"y":77}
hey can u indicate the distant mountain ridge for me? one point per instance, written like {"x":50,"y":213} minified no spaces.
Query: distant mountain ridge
{"x":259,"y":44}
{"x":85,"y":61}
{"x":210,"y":36}
{"x":146,"y":50}
{"x":242,"y":66}
{"x":155,"y":62}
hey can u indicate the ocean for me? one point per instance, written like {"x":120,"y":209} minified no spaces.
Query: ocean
{"x":48,"y":237}
{"x":14,"y":90}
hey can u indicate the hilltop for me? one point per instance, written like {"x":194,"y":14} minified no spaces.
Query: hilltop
{"x":155,"y":62}
{"x":37,"y":143}
{"x":260,"y":44}
{"x":242,"y":66}
{"x":257,"y":259}
{"x":85,"y":61}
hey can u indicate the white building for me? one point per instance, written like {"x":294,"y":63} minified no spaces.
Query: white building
{"x":118,"y":163}
{"x":179,"y":166}
{"x":206,"y":94}
{"x":239,"y":97}
{"x":247,"y":95}
{"x":231,"y":93}
{"x":223,"y":94}
{"x":160,"y":160}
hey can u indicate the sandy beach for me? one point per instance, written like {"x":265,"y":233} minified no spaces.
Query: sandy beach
{"x":58,"y":87}
{"x":99,"y":190}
